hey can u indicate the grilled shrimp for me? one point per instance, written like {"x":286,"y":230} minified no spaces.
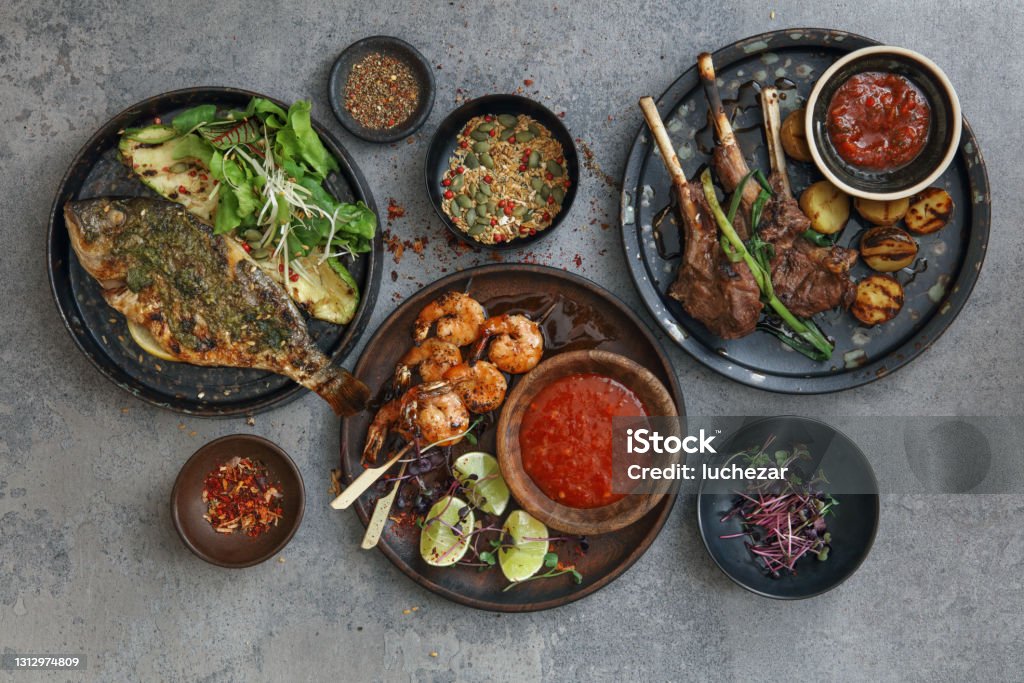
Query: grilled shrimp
{"x":481,"y":386}
{"x":433,"y":358}
{"x":516,"y":342}
{"x":387,"y":419}
{"x":438,"y":414}
{"x":426,"y":413}
{"x":455,"y":317}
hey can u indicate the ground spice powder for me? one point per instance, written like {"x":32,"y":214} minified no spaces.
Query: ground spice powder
{"x":381,"y":92}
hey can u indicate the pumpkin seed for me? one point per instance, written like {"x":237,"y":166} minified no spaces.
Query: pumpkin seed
{"x":471,"y":161}
{"x":481,"y":148}
{"x":259,"y":254}
{"x":483,"y":220}
{"x":455,"y":207}
{"x":464,"y":201}
{"x":492,"y":207}
{"x":533,"y":128}
{"x":536,"y":184}
{"x":534,"y":159}
{"x":554,"y":169}
{"x":485,"y":127}
{"x":252,"y":235}
{"x":519,"y":211}
{"x":487,"y":161}
{"x":507,"y":133}
{"x":479,"y":135}
{"x":485,"y":188}
{"x":508,"y":120}
{"x":471,"y":217}
{"x":457,"y":182}
{"x":477,"y":229}
{"x":528,"y":215}
{"x":524,"y":136}
{"x":480,"y":197}
{"x":558,"y":193}
{"x":545,"y":190}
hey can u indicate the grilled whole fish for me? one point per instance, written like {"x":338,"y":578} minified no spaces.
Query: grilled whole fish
{"x":199,"y":294}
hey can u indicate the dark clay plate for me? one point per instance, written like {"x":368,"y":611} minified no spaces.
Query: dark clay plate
{"x":100,"y":331}
{"x":936,"y":287}
{"x":853,"y":527}
{"x":584,"y":316}
{"x":235,"y":550}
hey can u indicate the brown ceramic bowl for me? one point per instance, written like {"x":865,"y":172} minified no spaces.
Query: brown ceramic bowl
{"x":235,"y":550}
{"x":590,"y":521}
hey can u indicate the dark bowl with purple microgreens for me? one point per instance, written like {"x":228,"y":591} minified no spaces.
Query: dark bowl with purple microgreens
{"x":824,"y":519}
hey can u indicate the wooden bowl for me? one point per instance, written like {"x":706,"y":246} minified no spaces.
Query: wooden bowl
{"x":235,"y":550}
{"x":590,"y":521}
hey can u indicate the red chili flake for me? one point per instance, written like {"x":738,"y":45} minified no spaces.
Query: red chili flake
{"x":499,"y":238}
{"x":488,"y":118}
{"x":460,"y":169}
{"x":508,"y":210}
{"x":494,"y":221}
{"x":245,"y":245}
{"x":446,"y":182}
{"x":501,"y":203}
{"x":193,"y":173}
{"x":522,"y":167}
{"x":203,"y":176}
{"x":239,"y":496}
{"x":464,"y":144}
{"x":448,"y":194}
{"x":512,"y":139}
{"x":527,"y":152}
{"x":182,"y":189}
{"x":294,"y":277}
{"x":280,"y":267}
{"x":547,"y":216}
{"x":533,"y":231}
{"x":551,"y":200}
{"x":527,"y":82}
{"x":157,"y":120}
{"x":488,"y":179}
{"x":492,"y":132}
{"x":549,"y":176}
{"x":395,"y":210}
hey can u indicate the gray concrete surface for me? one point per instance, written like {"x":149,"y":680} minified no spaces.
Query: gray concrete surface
{"x":89,"y":562}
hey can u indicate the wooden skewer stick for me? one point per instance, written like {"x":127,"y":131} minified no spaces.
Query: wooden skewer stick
{"x":669,"y":157}
{"x":381,"y":510}
{"x":773,"y":131}
{"x":365,"y":480}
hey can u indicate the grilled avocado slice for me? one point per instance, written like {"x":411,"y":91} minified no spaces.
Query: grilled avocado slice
{"x":163,"y":167}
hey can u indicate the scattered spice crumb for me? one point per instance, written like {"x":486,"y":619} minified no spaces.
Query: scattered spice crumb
{"x":578,"y":260}
{"x":395,"y":210}
{"x":281,"y":560}
{"x":433,"y":654}
{"x":124,"y":411}
{"x":250,"y":420}
{"x":181,"y":426}
{"x":528,"y":82}
{"x":407,"y":611}
{"x":193,"y":433}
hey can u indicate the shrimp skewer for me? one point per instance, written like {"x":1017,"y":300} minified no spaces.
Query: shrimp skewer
{"x":433,"y":358}
{"x":480,"y":385}
{"x":425,"y":414}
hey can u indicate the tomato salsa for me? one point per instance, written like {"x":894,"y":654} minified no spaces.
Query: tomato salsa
{"x":878,"y":121}
{"x":566,"y":438}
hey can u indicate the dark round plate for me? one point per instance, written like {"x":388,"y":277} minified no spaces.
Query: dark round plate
{"x":393,"y":47}
{"x":853,"y":527}
{"x":442,"y":146}
{"x":235,"y":550}
{"x":945,"y":272}
{"x":584,"y":317}
{"x":100,"y":331}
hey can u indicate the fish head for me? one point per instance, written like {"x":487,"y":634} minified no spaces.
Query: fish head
{"x":92,"y":224}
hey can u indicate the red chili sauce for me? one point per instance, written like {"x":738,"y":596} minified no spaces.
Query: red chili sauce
{"x":878,"y":121}
{"x":566,"y":438}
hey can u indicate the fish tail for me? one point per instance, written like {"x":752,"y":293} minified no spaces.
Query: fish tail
{"x":346,"y":394}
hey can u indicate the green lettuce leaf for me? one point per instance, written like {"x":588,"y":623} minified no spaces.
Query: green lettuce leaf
{"x":190,"y":118}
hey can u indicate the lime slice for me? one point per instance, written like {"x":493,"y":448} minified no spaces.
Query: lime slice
{"x":147,"y":341}
{"x":524,"y":558}
{"x":440,"y":546}
{"x":478,"y":472}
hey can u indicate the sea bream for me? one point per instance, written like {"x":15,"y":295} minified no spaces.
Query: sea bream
{"x":201,"y":297}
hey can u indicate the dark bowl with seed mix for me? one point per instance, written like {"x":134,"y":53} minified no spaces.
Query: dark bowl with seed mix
{"x":416,"y":68}
{"x":445,"y":141}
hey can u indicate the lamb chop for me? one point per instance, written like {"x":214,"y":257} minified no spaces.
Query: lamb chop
{"x":807,"y":278}
{"x":722,"y":295}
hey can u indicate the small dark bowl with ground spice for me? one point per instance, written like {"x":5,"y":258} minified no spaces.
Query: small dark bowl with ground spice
{"x":381,"y":89}
{"x":502,"y":172}
{"x":238,"y":501}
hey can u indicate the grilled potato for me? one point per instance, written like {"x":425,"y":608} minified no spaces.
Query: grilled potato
{"x":881,"y":212}
{"x":879,"y":299}
{"x":827,"y":206}
{"x":929,"y":211}
{"x":886,"y":248}
{"x":794,"y":136}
